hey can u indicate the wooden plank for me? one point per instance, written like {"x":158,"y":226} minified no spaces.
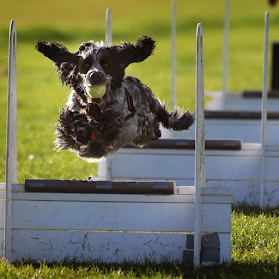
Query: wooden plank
{"x":159,"y":166}
{"x":183,"y":194}
{"x":249,"y":131}
{"x":119,"y":216}
{"x":239,"y":114}
{"x":105,"y":246}
{"x":94,"y":187}
{"x":11,"y":152}
{"x":242,"y":191}
{"x":212,"y":144}
{"x":217,"y":199}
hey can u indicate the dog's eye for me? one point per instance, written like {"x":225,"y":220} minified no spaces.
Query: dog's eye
{"x":87,"y":63}
{"x":105,"y":63}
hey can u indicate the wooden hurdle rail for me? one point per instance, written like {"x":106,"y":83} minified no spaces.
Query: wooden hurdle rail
{"x":112,"y":227}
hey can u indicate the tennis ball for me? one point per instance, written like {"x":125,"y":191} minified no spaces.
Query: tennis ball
{"x":96,"y":91}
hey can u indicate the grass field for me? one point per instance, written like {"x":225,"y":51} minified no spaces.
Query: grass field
{"x":255,"y":235}
{"x":40,"y":95}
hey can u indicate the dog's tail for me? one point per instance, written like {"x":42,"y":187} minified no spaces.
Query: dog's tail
{"x":176,"y":119}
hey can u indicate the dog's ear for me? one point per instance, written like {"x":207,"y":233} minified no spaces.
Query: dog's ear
{"x":57,"y":52}
{"x":129,"y":53}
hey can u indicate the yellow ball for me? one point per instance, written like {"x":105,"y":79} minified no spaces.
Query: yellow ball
{"x":97,"y":91}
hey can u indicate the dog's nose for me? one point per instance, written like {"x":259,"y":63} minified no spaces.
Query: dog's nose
{"x":94,"y":74}
{"x":95,"y":77}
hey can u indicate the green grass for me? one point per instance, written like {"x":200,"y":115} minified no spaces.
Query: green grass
{"x":40,"y":96}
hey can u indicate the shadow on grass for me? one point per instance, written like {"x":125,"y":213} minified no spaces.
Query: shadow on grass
{"x":254,"y":210}
{"x":50,"y":34}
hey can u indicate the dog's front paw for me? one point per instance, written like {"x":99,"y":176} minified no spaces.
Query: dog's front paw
{"x":94,"y":110}
{"x":81,"y":129}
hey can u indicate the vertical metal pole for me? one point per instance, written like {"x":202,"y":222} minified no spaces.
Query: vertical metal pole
{"x":11,"y":152}
{"x":225,"y":51}
{"x":264,"y":111}
{"x":200,"y":145}
{"x":173,"y":87}
{"x":108,"y":28}
{"x":108,"y":42}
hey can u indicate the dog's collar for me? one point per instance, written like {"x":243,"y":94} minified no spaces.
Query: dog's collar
{"x":130,"y":103}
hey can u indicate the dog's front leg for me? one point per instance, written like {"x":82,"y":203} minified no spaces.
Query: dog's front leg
{"x":94,"y":111}
{"x":75,"y":124}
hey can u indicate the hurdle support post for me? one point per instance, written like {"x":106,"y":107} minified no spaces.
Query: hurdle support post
{"x":200,"y":145}
{"x":11,"y":151}
{"x":108,"y":27}
{"x":225,"y":49}
{"x":108,"y":42}
{"x":264,"y":112}
{"x":173,"y":57}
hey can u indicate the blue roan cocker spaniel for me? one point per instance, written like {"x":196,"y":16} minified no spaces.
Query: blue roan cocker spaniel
{"x":107,"y":110}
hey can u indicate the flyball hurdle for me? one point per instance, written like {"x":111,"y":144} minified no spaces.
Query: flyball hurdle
{"x":43,"y":221}
{"x":250,"y":169}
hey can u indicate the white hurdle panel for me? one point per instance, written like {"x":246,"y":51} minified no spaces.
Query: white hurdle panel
{"x":110,"y":227}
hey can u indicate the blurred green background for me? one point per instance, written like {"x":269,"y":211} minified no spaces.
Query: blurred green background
{"x":40,"y":94}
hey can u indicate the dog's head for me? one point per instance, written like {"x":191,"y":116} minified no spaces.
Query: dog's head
{"x":96,"y":64}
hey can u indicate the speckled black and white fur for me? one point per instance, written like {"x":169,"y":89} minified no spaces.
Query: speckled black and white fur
{"x":128,"y":113}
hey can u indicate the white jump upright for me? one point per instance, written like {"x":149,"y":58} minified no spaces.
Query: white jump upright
{"x":108,"y":27}
{"x":264,"y":111}
{"x":173,"y":56}
{"x":11,"y":152}
{"x":226,"y":47}
{"x":108,"y":42}
{"x":200,"y":145}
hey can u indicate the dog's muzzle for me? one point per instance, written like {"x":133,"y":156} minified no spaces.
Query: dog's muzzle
{"x":96,"y":83}
{"x":95,"y":77}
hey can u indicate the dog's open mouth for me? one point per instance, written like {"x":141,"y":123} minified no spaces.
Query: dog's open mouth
{"x":96,"y":91}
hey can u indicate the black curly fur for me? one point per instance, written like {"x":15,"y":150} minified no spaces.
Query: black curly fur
{"x":128,"y":113}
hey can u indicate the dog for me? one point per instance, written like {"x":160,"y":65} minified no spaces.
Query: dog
{"x":120,"y":111}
